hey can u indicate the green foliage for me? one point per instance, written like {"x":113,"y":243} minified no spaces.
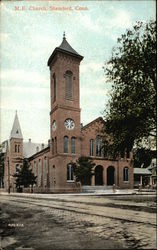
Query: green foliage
{"x":24,"y":176}
{"x":83,"y":170}
{"x":131,"y":114}
{"x":142,"y":156}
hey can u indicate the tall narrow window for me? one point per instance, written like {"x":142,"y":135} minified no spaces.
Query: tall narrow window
{"x":45,"y":168}
{"x":70,"y":173}
{"x":54,"y":87}
{"x":18,"y":148}
{"x":73,"y":142}
{"x":15,"y":148}
{"x":55,"y":145}
{"x":68,"y":85}
{"x":126,"y":174}
{"x":65,"y":144}
{"x":91,"y":147}
{"x":98,"y":145}
{"x":40,"y":173}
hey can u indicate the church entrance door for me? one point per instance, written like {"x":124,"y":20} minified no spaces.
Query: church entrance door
{"x":98,"y":175}
{"x":110,"y":175}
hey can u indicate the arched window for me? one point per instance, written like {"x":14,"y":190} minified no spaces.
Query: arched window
{"x":45,"y":168}
{"x":91,"y":147}
{"x":55,"y":145}
{"x":126,"y":174}
{"x":54,"y":87}
{"x":98,"y":145}
{"x":68,"y":85}
{"x":73,"y":142}
{"x":65,"y":144}
{"x":70,"y":173}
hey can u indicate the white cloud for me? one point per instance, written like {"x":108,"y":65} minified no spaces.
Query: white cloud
{"x":90,"y":66}
{"x":122,"y":19}
{"x":23,"y":76}
{"x":88,"y":22}
{"x":4,"y":37}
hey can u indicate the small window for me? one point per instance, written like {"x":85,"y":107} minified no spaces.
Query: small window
{"x":70,"y":173}
{"x":15,"y":148}
{"x":68,"y":85}
{"x":126,"y":174}
{"x":18,"y":148}
{"x":73,"y":142}
{"x":91,"y":147}
{"x":98,"y":145}
{"x":65,"y":144}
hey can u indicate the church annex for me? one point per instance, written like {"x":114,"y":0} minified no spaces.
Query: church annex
{"x":68,"y":138}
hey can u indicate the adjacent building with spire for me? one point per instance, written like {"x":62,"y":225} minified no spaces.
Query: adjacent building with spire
{"x":68,"y":138}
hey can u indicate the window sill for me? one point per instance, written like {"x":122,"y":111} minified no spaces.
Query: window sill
{"x":70,"y":181}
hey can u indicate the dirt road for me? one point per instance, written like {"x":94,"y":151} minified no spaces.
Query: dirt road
{"x":77,"y":222}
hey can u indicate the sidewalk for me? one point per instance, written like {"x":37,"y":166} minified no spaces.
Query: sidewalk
{"x":96,"y":193}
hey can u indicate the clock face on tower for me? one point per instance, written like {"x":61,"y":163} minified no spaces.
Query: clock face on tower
{"x":69,"y":124}
{"x":54,"y":126}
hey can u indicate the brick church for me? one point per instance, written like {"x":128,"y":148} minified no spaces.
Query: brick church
{"x":68,"y":138}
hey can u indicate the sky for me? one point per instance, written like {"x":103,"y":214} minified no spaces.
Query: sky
{"x":31,"y":30}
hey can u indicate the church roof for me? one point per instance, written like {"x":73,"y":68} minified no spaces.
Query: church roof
{"x":99,"y":119}
{"x":66,"y":48}
{"x":16,"y":129}
{"x":31,"y":148}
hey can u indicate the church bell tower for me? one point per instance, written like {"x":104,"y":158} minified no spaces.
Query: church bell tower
{"x":65,"y":126}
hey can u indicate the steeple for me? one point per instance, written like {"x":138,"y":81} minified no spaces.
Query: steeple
{"x":66,"y":48}
{"x":16,"y":130}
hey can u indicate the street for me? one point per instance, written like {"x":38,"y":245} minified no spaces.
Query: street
{"x":77,"y":222}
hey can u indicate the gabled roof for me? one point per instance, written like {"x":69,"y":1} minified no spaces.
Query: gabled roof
{"x":16,"y":129}
{"x":65,"y":47}
{"x":30,"y":148}
{"x":142,"y":171}
{"x":99,"y":119}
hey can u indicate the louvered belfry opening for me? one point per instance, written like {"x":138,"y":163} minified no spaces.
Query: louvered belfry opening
{"x":69,"y":85}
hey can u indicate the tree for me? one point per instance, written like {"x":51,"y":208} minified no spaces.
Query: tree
{"x":24,"y":176}
{"x":142,"y":157}
{"x":131,"y":114}
{"x":83,"y":170}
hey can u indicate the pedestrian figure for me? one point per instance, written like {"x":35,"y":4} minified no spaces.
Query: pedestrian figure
{"x":114,"y":188}
{"x":140,"y":188}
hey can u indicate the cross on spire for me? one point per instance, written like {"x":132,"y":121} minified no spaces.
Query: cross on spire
{"x":64,"y":35}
